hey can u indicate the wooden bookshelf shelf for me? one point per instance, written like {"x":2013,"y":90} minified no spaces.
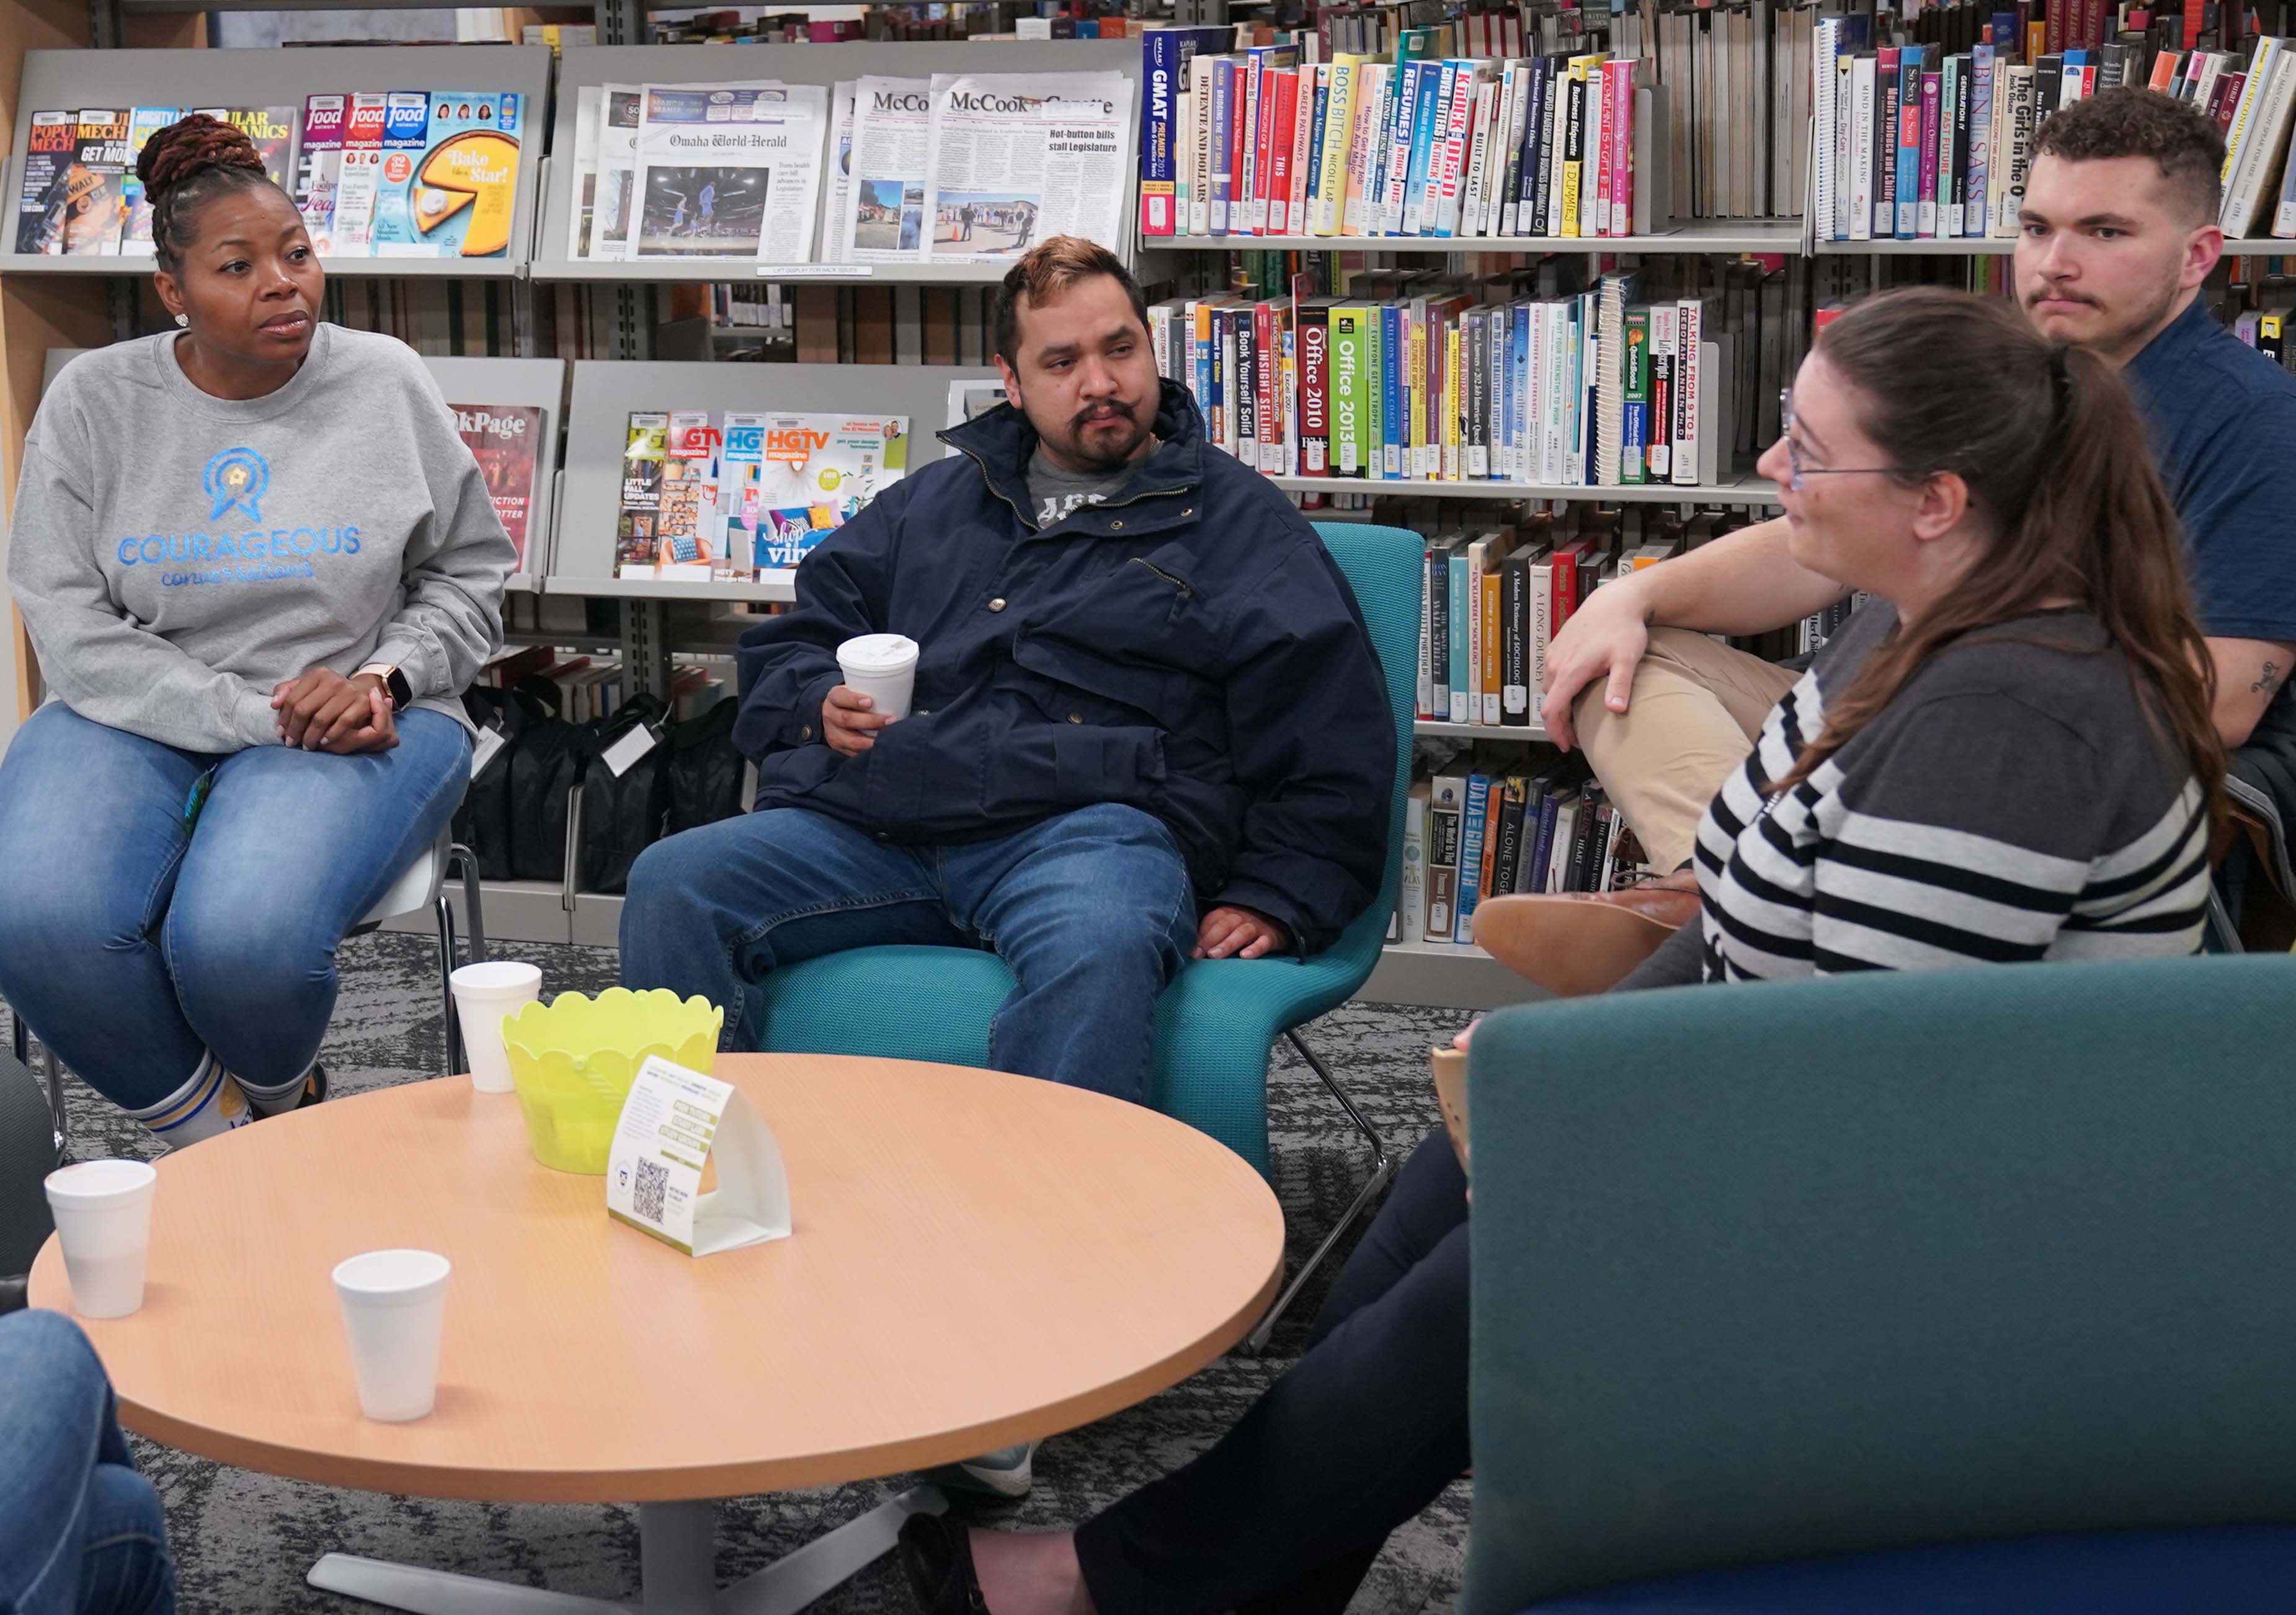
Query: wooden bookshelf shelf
{"x":1698,"y":236}
{"x":1749,"y":491}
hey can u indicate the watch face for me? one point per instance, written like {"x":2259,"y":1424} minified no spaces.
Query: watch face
{"x":401,"y":692}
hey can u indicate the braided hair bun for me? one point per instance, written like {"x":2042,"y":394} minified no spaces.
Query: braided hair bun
{"x":184,"y":164}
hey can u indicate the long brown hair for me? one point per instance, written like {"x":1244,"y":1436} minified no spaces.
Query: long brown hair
{"x":2049,"y":445}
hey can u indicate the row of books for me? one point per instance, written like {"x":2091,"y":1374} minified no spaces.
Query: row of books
{"x":2255,"y":106}
{"x":1600,"y":387}
{"x":391,"y":174}
{"x":1494,"y":599}
{"x":1498,"y":831}
{"x":1914,"y":145}
{"x":1455,"y":147}
{"x":730,"y":494}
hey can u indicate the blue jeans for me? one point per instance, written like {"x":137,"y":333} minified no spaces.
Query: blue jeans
{"x":1093,"y":911}
{"x":135,"y":934}
{"x":80,"y":1530}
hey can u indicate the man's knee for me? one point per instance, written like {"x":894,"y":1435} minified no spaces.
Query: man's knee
{"x":45,"y":1357}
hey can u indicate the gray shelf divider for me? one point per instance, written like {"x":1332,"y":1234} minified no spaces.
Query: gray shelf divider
{"x":541,"y":382}
{"x":537,"y":382}
{"x":606,"y":391}
{"x":58,"y":80}
{"x":588,"y":66}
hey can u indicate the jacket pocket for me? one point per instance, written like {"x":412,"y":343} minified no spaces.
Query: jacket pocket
{"x":1117,"y":692}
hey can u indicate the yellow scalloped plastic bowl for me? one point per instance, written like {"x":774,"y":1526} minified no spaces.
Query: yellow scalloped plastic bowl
{"x":573,"y":1059}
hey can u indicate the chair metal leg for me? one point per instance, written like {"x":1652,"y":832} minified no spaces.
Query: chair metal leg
{"x":1382,"y":1167}
{"x":54,"y":1067}
{"x":473,"y":912}
{"x":447,"y":984}
{"x":2218,"y":928}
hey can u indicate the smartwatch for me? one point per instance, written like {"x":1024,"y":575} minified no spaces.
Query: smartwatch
{"x":401,"y":693}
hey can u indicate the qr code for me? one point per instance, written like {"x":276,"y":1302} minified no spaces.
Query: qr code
{"x":645,"y":1196}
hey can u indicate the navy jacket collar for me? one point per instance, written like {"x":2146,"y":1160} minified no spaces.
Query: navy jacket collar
{"x":1001,"y":442}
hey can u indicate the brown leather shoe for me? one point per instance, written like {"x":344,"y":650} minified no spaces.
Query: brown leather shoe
{"x":1575,"y":944}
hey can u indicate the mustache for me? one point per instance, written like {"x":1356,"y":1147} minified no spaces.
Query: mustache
{"x":1115,"y":410}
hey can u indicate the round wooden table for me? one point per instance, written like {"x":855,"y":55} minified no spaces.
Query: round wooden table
{"x":977,"y":1260}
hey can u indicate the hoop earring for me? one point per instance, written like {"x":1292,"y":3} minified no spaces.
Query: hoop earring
{"x":183,"y":319}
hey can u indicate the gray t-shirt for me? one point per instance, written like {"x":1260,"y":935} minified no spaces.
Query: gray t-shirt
{"x":175,"y":555}
{"x":1054,"y":493}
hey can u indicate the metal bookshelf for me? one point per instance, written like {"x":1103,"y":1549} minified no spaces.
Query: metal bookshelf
{"x":588,"y":67}
{"x":1521,"y":735}
{"x":58,"y":79}
{"x":598,"y":428}
{"x":1705,"y":235}
{"x":1750,"y":492}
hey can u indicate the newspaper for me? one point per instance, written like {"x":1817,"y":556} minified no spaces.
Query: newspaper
{"x":618,"y":138}
{"x":1016,"y":158}
{"x":840,"y":174}
{"x":585,"y":188}
{"x":884,"y":211}
{"x":728,"y":170}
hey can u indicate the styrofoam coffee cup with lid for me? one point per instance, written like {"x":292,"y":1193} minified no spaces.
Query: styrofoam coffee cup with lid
{"x":883,"y":667}
{"x":102,"y":1212}
{"x":486,"y":994}
{"x":394,"y":1305}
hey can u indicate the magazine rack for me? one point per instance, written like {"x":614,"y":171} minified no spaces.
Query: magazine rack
{"x":606,"y":391}
{"x":829,"y":65}
{"x":56,"y":80}
{"x":540,"y":383}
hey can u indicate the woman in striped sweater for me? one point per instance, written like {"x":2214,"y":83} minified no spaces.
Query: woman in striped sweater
{"x":2007,"y":754}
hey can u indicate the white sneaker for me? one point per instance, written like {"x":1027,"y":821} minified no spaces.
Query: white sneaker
{"x":1007,"y":1472}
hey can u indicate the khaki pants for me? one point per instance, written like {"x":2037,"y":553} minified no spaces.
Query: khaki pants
{"x":1695,"y":712}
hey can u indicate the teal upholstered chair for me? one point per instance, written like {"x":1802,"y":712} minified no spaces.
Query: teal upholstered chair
{"x":1215,"y":1024}
{"x":1961,"y":1290}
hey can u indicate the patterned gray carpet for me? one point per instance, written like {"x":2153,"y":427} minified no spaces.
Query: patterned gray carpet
{"x":243,"y":1541}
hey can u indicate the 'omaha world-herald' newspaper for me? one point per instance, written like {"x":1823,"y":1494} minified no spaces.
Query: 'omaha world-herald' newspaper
{"x":1017,"y":157}
{"x":728,"y":170}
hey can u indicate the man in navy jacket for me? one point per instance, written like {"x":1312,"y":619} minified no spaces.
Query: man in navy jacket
{"x":1147,"y":726}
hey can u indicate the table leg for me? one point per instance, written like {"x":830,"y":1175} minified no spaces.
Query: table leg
{"x":677,"y":1553}
{"x":795,"y":1580}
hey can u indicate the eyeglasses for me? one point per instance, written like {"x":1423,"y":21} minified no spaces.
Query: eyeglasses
{"x":1793,"y":455}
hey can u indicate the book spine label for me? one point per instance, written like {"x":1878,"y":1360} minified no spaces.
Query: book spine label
{"x":1282,"y":89}
{"x":1925,"y":215}
{"x":1515,"y":649}
{"x":1163,"y":62}
{"x":1223,"y":121}
{"x":1976,"y":188}
{"x":1689,"y":367}
{"x":1909,"y":146}
{"x":1315,"y":340}
{"x":1619,"y":101}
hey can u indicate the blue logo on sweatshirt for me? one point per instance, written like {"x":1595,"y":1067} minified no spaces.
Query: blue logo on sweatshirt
{"x":236,"y":477}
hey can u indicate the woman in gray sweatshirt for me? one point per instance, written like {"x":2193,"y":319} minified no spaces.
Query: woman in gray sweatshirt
{"x":259,"y":568}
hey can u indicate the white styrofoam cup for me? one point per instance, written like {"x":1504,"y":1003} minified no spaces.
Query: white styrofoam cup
{"x":394,"y":1307}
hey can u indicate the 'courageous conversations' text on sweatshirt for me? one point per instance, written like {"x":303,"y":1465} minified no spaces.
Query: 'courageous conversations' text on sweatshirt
{"x":177,"y":556}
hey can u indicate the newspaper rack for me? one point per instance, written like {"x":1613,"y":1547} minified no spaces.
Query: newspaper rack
{"x":585,"y":67}
{"x":57,"y":80}
{"x":607,"y":390}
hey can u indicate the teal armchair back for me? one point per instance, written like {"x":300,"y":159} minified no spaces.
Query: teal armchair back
{"x":1216,"y":1022}
{"x":1773,"y":1272}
